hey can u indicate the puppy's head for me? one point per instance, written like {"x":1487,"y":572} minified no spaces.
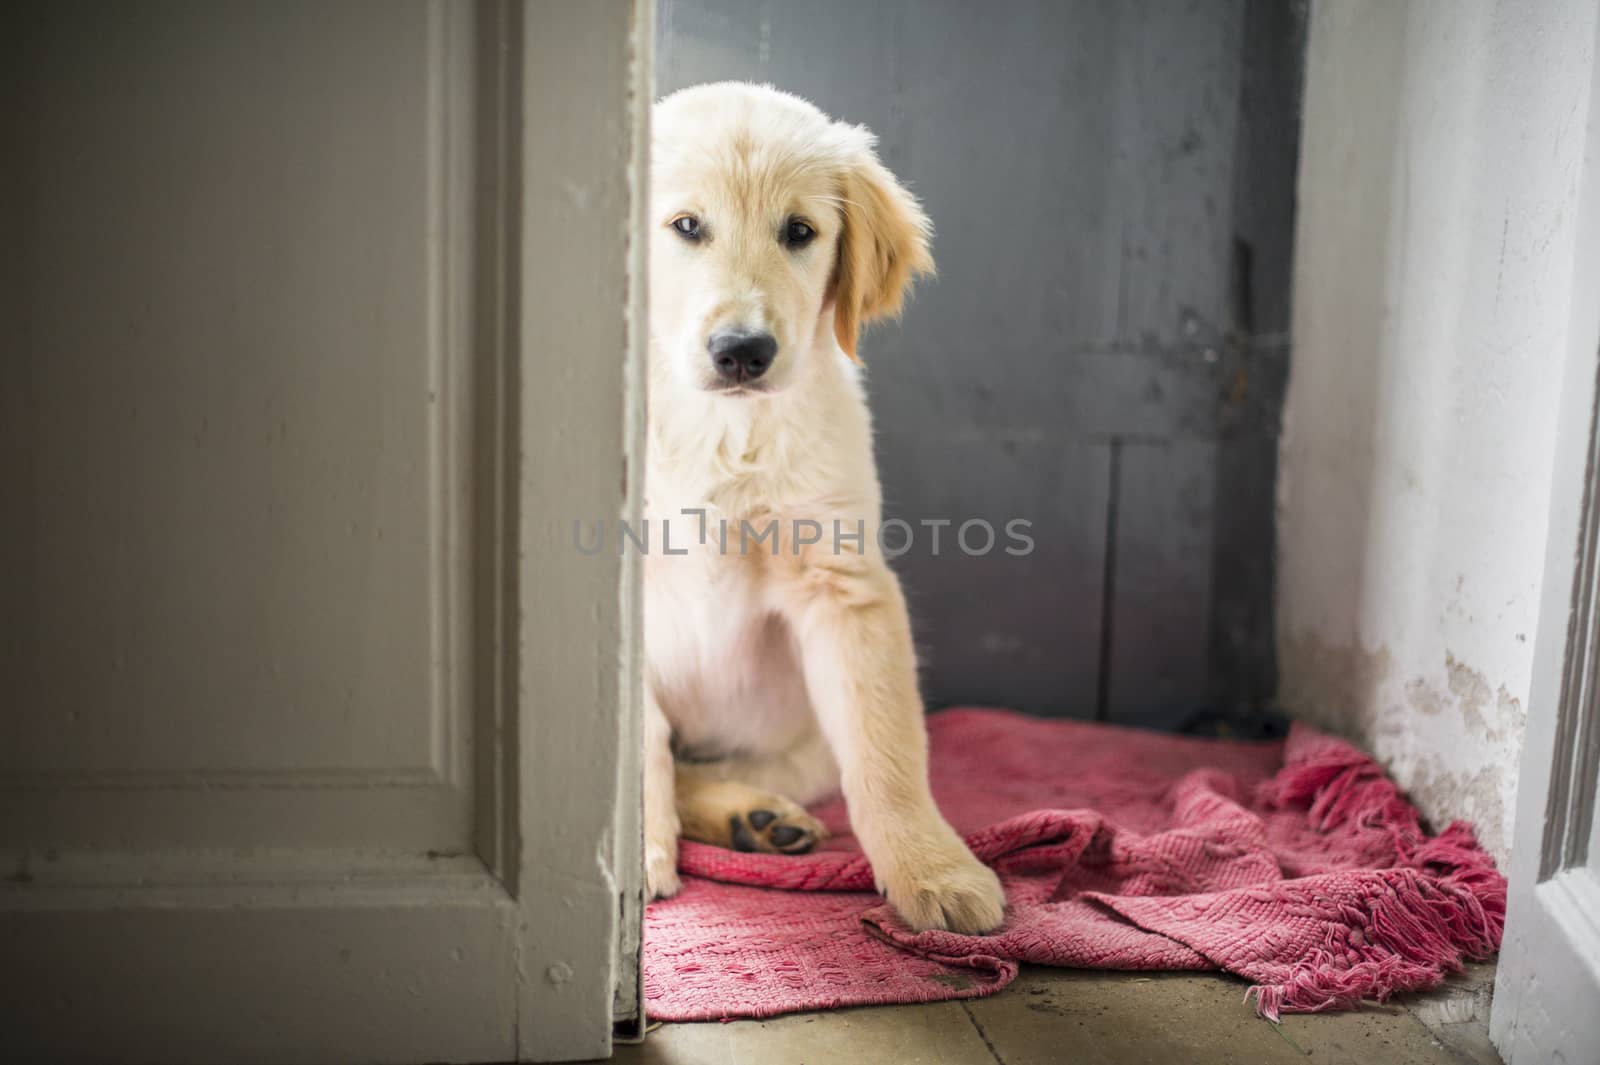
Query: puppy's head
{"x":775,"y":232}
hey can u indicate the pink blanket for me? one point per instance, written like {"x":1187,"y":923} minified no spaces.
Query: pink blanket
{"x":1296,"y":864}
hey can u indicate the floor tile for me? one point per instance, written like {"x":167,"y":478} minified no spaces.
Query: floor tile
{"x":1050,"y":1016}
{"x":935,"y":1034}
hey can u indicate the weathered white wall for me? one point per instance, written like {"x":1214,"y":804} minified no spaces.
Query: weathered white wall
{"x":1438,"y":189}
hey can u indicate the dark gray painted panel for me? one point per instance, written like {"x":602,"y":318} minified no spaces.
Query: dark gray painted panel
{"x":1161,"y":589}
{"x":1082,"y":165}
{"x":1244,"y":673}
{"x":996,"y":628}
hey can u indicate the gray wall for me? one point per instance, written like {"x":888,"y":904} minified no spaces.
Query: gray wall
{"x":1104,"y":349}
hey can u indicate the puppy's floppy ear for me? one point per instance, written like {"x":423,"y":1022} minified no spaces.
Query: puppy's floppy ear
{"x":883,"y":246}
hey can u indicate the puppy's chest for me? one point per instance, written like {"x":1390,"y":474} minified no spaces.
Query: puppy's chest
{"x":720,"y":655}
{"x":746,"y":473}
{"x":732,"y":496}
{"x":727,"y":525}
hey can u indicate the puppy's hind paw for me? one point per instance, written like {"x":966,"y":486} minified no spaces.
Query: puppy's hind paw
{"x":726,"y":813}
{"x":776,"y":827}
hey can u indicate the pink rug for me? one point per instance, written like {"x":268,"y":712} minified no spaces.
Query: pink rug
{"x":1296,"y":864}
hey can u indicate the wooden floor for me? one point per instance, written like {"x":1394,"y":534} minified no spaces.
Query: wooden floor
{"x":1053,"y":1016}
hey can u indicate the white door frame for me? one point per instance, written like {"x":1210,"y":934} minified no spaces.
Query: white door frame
{"x":1547,"y":989}
{"x":586,"y":88}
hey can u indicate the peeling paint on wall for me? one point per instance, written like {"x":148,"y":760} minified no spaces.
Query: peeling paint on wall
{"x":1480,"y":797}
{"x":1448,"y":737}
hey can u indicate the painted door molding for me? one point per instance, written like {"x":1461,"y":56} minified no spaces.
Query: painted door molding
{"x":1548,"y":982}
{"x":321,"y":740}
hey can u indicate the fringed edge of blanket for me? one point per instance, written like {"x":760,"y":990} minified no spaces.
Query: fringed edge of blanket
{"x":1446,"y":901}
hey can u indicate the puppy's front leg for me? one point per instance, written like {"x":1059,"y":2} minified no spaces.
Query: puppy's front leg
{"x":660,"y":802}
{"x":860,"y":670}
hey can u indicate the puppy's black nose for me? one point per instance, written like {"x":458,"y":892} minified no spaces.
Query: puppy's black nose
{"x":741,"y":356}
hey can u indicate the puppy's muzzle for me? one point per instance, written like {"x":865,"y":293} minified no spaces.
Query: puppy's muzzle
{"x":739,"y":357}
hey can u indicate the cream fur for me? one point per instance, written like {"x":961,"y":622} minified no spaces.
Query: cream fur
{"x":796,"y":668}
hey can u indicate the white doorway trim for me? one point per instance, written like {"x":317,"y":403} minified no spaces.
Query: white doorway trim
{"x":586,"y":92}
{"x":1548,"y":983}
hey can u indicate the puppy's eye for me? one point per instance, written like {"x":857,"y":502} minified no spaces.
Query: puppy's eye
{"x":798,"y":234}
{"x":687,"y":226}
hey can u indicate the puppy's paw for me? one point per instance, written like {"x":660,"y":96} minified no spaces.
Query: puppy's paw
{"x":775,"y":826}
{"x":661,"y":866}
{"x":957,"y":893}
{"x":726,"y":813}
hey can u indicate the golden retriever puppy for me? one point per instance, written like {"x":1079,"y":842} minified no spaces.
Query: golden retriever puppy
{"x":779,"y":661}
